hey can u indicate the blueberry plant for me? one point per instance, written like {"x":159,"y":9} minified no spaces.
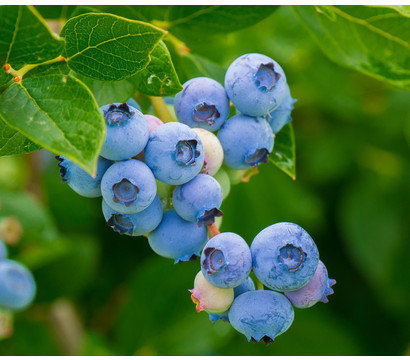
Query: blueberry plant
{"x":135,"y":117}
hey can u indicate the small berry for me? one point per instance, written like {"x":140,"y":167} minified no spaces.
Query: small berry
{"x":3,"y":250}
{"x":223,"y":179}
{"x":153,"y":122}
{"x":214,"y":154}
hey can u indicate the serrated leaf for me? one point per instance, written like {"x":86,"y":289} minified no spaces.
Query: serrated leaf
{"x":25,"y":37}
{"x":373,"y":40}
{"x":283,"y":154}
{"x":12,"y":142}
{"x":59,"y":113}
{"x":159,"y":77}
{"x":107,"y":47}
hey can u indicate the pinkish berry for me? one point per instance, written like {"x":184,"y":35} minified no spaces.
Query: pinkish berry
{"x":153,"y":122}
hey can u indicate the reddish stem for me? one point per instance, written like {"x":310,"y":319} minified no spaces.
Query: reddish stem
{"x":213,"y":230}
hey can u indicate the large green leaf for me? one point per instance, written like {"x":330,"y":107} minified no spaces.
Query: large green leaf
{"x":159,"y":77}
{"x":107,"y":47}
{"x":25,"y":37}
{"x":373,"y":40}
{"x":59,"y":113}
{"x":284,"y":154}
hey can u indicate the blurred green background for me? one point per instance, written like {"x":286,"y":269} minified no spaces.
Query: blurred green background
{"x":100,"y":293}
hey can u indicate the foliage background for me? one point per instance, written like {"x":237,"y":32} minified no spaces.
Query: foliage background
{"x":112,"y":295}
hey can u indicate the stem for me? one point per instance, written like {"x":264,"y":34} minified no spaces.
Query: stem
{"x":213,"y":230}
{"x":259,"y":285}
{"x":179,"y":45}
{"x":161,"y":109}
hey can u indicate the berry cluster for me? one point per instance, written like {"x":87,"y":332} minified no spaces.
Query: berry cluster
{"x":167,"y":181}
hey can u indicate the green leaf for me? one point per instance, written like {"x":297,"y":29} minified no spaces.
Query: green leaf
{"x":283,"y":154}
{"x":55,"y":12}
{"x":59,"y":113}
{"x":402,"y":9}
{"x":373,"y":40}
{"x":159,"y":77}
{"x":25,"y":37}
{"x":107,"y":47}
{"x":12,"y":142}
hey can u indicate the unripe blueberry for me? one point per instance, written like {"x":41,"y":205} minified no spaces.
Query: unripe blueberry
{"x":256,"y":84}
{"x":137,"y":224}
{"x":209,"y":297}
{"x":226,"y":260}
{"x":3,"y":250}
{"x":127,"y":131}
{"x":284,"y":257}
{"x":317,"y":289}
{"x":17,"y":286}
{"x":128,"y":186}
{"x":79,"y":180}
{"x":222,"y":177}
{"x":214,"y":154}
{"x":203,"y":103}
{"x":153,"y":122}
{"x":261,"y":314}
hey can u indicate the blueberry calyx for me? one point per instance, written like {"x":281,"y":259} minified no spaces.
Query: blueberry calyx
{"x":121,"y":223}
{"x":266,"y":76}
{"x":328,"y":291}
{"x":258,"y":156}
{"x":266,"y":339}
{"x":186,"y":152}
{"x":63,"y":170}
{"x":117,"y":115}
{"x":214,"y":260}
{"x":292,"y":257}
{"x":207,"y":217}
{"x":206,"y":113}
{"x":125,"y":192}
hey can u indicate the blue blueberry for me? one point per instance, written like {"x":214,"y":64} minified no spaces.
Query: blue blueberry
{"x":203,"y":104}
{"x":281,"y":116}
{"x":198,"y":200}
{"x":137,"y":224}
{"x":132,"y":102}
{"x":17,"y":286}
{"x":317,"y":289}
{"x":261,"y":314}
{"x":284,"y":257}
{"x":128,"y":186}
{"x":255,"y":84}
{"x":127,"y":131}
{"x":177,"y":239}
{"x":226,"y":260}
{"x":174,"y":153}
{"x":79,"y":180}
{"x":247,"y":141}
{"x":3,"y":250}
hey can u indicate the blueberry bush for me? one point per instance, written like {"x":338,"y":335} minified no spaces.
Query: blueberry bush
{"x":72,"y":76}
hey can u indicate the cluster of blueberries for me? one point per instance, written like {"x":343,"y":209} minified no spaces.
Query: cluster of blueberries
{"x":166,"y":181}
{"x":17,"y":285}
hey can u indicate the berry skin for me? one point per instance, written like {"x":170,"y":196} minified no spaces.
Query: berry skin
{"x":261,"y":314}
{"x":210,"y":298}
{"x":174,"y":153}
{"x":284,"y":257}
{"x":177,"y":239}
{"x":198,"y":200}
{"x":127,"y":131}
{"x":226,"y":260}
{"x":137,"y":224}
{"x":128,"y":186}
{"x":255,"y":84}
{"x":3,"y":250}
{"x":317,"y":289}
{"x":79,"y":180}
{"x":214,"y":154}
{"x":153,"y":122}
{"x":223,"y":178}
{"x":17,"y":286}
{"x":281,"y":116}
{"x":203,"y":104}
{"x":246,"y":141}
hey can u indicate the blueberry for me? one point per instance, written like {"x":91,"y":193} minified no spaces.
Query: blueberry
{"x":255,"y":84}
{"x":177,"y":239}
{"x":137,"y":224}
{"x":317,"y":289}
{"x":17,"y":286}
{"x":214,"y":154}
{"x":226,"y":260}
{"x":128,"y":186}
{"x":210,"y":298}
{"x":261,"y":314}
{"x":198,"y":200}
{"x":134,"y":104}
{"x":284,"y":257}
{"x":174,"y":153}
{"x":281,"y":116}
{"x":246,"y":141}
{"x":79,"y":180}
{"x":3,"y":250}
{"x":153,"y":122}
{"x":127,"y":131}
{"x":203,"y":103}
